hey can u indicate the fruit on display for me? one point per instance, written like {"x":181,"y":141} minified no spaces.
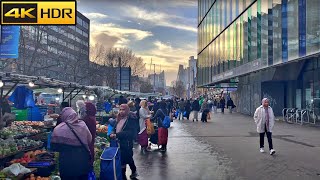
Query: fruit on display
{"x":102,"y":128}
{"x":12,"y":146}
{"x":28,"y":157}
{"x":32,"y":177}
{"x":17,"y":131}
{"x":29,"y":123}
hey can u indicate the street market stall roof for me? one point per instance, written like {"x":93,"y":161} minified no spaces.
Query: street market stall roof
{"x":44,"y":84}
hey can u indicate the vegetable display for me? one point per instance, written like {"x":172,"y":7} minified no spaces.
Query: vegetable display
{"x":18,"y":131}
{"x":12,"y":146}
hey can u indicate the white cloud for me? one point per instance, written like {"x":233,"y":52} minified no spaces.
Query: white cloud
{"x":93,"y":16}
{"x":124,"y":35}
{"x":160,"y":18}
{"x":169,"y":57}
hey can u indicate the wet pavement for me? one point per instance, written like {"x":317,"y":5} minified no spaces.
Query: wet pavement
{"x":186,"y":159}
{"x":227,"y":147}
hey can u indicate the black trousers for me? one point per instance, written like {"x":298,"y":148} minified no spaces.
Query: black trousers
{"x":269,"y":136}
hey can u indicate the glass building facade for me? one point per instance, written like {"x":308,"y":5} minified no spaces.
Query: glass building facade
{"x":270,"y":48}
{"x":236,"y":37}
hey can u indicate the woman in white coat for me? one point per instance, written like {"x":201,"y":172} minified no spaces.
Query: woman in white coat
{"x":264,"y":119}
{"x":144,"y":114}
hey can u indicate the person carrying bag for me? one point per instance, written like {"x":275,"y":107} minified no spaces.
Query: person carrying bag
{"x":91,"y":175}
{"x":74,"y":153}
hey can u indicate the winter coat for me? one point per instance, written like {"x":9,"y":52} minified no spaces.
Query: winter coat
{"x":188,"y":106}
{"x":125,"y":139}
{"x":159,"y":117}
{"x":143,"y":116}
{"x":196,"y":105}
{"x":181,"y":106}
{"x":222,"y":103}
{"x":260,"y":119}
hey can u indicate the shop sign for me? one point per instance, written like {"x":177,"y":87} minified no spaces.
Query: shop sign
{"x":9,"y":44}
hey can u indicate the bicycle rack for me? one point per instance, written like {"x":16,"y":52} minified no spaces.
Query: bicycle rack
{"x":305,"y":112}
{"x":284,"y":114}
{"x":291,"y":115}
{"x":314,"y":117}
{"x":298,"y":116}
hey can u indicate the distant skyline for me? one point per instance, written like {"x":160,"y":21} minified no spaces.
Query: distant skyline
{"x":164,"y":30}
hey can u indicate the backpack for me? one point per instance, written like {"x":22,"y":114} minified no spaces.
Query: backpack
{"x":166,"y":122}
{"x":110,"y":166}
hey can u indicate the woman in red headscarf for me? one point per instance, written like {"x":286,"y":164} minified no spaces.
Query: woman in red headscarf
{"x":90,"y":120}
{"x":124,"y":132}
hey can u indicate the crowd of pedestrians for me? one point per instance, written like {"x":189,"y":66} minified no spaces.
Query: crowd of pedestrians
{"x":137,"y":122}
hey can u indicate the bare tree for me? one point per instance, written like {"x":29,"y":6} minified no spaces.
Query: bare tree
{"x":146,"y":87}
{"x":178,"y":88}
{"x":110,"y":57}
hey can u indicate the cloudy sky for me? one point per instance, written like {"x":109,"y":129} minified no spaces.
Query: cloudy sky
{"x":164,"y":30}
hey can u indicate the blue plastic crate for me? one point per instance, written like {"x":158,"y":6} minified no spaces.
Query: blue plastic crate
{"x":37,"y":113}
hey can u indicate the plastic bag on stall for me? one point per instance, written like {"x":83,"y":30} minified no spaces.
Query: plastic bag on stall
{"x":16,"y":169}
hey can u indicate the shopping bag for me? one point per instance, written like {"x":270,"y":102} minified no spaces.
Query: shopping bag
{"x":166,"y":122}
{"x":143,"y":139}
{"x":185,"y":114}
{"x":91,"y":175}
{"x":110,"y":166}
{"x":110,"y":129}
{"x":177,"y":113}
{"x":150,"y":127}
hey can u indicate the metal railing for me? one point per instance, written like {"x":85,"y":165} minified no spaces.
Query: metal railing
{"x":299,"y":116}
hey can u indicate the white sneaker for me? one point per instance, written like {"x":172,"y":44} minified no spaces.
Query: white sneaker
{"x":272,"y":152}
{"x":261,"y":150}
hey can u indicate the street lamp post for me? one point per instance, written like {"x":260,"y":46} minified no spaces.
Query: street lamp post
{"x":154,"y":78}
{"x":120,"y":73}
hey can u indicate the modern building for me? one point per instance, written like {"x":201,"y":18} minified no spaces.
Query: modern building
{"x":59,"y":52}
{"x":123,"y":78}
{"x":158,"y":81}
{"x":270,"y":48}
{"x":183,"y":75}
{"x":192,"y":77}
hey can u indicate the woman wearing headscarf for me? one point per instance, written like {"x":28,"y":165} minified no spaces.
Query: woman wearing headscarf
{"x":74,"y":156}
{"x":90,"y":120}
{"x":159,"y":117}
{"x":264,"y":119}
{"x":124,"y":134}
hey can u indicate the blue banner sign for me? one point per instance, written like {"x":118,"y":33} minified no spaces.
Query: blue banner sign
{"x":9,"y":45}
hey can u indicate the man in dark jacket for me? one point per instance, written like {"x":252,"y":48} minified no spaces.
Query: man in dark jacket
{"x":195,"y":108}
{"x":222,"y":104}
{"x":181,"y":105}
{"x":230,"y":105}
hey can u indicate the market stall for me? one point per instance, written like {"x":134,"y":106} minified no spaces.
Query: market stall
{"x":26,"y":125}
